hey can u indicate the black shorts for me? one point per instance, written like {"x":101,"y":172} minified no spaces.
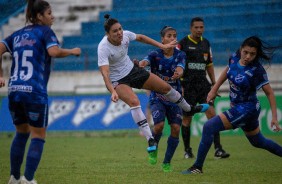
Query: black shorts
{"x":135,"y":79}
{"x":196,"y":91}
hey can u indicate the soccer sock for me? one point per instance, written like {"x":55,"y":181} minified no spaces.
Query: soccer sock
{"x":33,"y":157}
{"x":211,"y":127}
{"x":186,"y":134}
{"x":157,"y":137}
{"x":172,"y":143}
{"x":140,"y":119}
{"x":216,"y":141}
{"x":17,"y":153}
{"x":259,"y":141}
{"x":175,"y":97}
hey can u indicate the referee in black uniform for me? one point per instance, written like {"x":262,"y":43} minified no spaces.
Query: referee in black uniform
{"x":194,"y":82}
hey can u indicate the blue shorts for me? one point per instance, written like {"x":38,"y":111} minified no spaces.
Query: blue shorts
{"x":244,"y":115}
{"x":35,"y":115}
{"x":161,"y":110}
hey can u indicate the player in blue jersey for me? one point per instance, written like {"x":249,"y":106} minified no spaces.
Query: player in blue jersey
{"x":120,"y":75}
{"x":32,"y":48}
{"x":246,"y":75}
{"x":168,"y":65}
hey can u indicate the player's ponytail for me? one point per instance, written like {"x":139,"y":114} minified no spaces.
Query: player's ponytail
{"x":109,"y":22}
{"x":33,"y":8}
{"x":265,"y":51}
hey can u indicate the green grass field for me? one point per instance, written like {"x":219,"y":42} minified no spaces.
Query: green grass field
{"x":88,"y":158}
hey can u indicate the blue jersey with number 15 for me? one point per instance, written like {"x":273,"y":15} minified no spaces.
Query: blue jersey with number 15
{"x":30,"y":69}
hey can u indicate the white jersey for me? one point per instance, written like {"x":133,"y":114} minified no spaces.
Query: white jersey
{"x":116,"y":56}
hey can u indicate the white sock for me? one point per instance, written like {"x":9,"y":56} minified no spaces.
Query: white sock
{"x":140,"y":119}
{"x":175,"y":97}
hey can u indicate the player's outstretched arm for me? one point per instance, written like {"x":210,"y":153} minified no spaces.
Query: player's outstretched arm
{"x":56,"y":51}
{"x":148,"y":40}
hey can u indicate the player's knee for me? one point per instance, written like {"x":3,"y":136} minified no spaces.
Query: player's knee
{"x":175,"y":129}
{"x":165,"y":89}
{"x":213,"y":125}
{"x":134,"y":102}
{"x":208,"y":128}
{"x":158,"y":128}
{"x":256,"y":140}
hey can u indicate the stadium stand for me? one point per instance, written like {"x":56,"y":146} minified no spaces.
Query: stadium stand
{"x":227,"y":23}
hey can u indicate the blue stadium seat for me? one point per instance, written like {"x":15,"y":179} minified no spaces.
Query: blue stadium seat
{"x":227,"y":24}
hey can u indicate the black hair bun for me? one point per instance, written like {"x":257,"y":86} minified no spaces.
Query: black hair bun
{"x":106,"y":16}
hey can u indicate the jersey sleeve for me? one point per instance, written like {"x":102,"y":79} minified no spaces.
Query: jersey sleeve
{"x":260,"y":77}
{"x":181,"y":58}
{"x":103,"y":58}
{"x":50,"y":38}
{"x":8,"y":42}
{"x":210,"y":61}
{"x":151,"y":57}
{"x":130,"y":35}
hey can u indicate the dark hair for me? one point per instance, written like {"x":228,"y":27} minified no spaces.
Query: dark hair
{"x":265,"y":51}
{"x":33,"y":8}
{"x":165,"y":29}
{"x":109,"y":22}
{"x":196,"y":19}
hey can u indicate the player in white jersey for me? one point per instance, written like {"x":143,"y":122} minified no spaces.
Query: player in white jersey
{"x":121,"y":75}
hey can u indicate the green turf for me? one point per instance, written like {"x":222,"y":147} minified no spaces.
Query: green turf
{"x":88,"y":158}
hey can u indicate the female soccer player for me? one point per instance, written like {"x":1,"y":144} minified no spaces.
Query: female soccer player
{"x":169,"y":66}
{"x":121,"y":75}
{"x":32,"y":48}
{"x":246,"y":75}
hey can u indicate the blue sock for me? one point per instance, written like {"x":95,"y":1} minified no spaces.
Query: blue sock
{"x":157,"y":137}
{"x":259,"y":141}
{"x":33,"y":157}
{"x":172,"y":143}
{"x":211,"y":127}
{"x":17,"y":153}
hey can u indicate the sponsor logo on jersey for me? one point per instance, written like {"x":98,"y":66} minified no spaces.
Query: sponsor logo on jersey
{"x":197,"y":66}
{"x":233,"y":86}
{"x":248,"y":73}
{"x":21,"y":88}
{"x":233,"y":95}
{"x":23,"y":41}
{"x":239,"y":78}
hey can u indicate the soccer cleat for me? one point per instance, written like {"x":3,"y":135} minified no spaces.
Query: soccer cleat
{"x":13,"y":180}
{"x":193,"y":170}
{"x":166,"y":167}
{"x":153,"y":157}
{"x":152,"y":145}
{"x":188,"y":154}
{"x":25,"y":181}
{"x":220,"y":153}
{"x":198,"y":108}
